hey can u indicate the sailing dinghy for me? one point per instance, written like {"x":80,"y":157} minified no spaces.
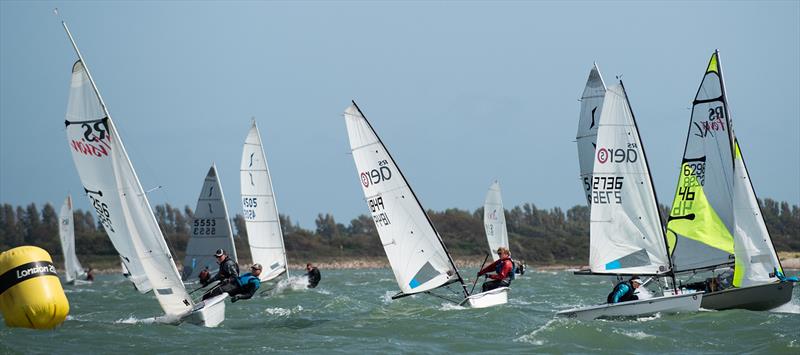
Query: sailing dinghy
{"x":626,"y":234}
{"x":494,"y":220}
{"x":715,"y":221}
{"x":113,"y":189}
{"x":416,"y":253}
{"x":211,"y":230}
{"x":260,"y":209}
{"x":73,"y":271}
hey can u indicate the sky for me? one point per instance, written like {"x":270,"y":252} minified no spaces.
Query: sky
{"x":461,"y":93}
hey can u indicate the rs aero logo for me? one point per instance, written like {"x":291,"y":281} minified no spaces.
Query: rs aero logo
{"x":618,"y":155}
{"x":95,"y":141}
{"x":375,"y":176}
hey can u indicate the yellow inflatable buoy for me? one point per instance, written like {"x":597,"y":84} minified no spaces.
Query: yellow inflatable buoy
{"x":31,"y":295}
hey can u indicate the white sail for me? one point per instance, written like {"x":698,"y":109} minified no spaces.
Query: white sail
{"x":626,"y":232}
{"x":701,"y":221}
{"x":586,"y":138}
{"x":414,"y":249}
{"x":116,"y":194}
{"x":210,"y":229}
{"x":66,"y":232}
{"x":756,"y":259}
{"x":494,"y":220}
{"x":260,"y":209}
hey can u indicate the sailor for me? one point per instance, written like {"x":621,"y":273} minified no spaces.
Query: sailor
{"x":313,"y":275}
{"x":90,"y":275}
{"x":503,"y":271}
{"x":624,"y":291}
{"x":228,"y":275}
{"x":248,"y":284}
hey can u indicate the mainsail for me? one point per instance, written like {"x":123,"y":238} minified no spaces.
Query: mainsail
{"x":494,"y":220}
{"x":716,"y":212}
{"x":116,"y":194}
{"x":414,"y":248}
{"x":210,"y":229}
{"x":66,"y":232}
{"x":701,"y":221}
{"x":260,"y":209}
{"x":626,"y":232}
{"x":591,"y":107}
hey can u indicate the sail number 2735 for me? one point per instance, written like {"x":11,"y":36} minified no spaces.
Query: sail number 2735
{"x":249,"y":204}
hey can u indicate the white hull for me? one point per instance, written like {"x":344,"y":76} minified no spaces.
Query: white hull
{"x":489,"y":298}
{"x":689,"y":302}
{"x":209,"y":313}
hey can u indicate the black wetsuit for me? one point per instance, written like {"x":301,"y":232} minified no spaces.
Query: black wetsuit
{"x":313,"y":277}
{"x":228,"y":277}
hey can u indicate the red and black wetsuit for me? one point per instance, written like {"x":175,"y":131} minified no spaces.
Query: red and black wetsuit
{"x":503,"y":269}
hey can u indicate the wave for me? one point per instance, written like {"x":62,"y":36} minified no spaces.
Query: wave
{"x":639,"y":335}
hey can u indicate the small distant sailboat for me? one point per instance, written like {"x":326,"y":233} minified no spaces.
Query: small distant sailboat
{"x":121,"y":204}
{"x":715,"y":220}
{"x":210,"y":230}
{"x":73,"y":271}
{"x":260,"y":210}
{"x":494,"y":220}
{"x":416,"y":253}
{"x":626,"y":234}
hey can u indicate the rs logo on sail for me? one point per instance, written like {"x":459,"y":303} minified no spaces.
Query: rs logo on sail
{"x":714,"y":123}
{"x":95,"y":141}
{"x":375,"y":176}
{"x":620,"y":155}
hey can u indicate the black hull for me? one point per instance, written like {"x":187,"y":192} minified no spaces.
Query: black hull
{"x":754,"y":298}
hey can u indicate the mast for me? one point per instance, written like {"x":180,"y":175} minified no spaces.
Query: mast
{"x":661,"y":225}
{"x":438,"y":237}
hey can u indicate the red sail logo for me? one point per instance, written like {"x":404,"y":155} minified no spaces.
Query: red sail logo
{"x":96,"y":140}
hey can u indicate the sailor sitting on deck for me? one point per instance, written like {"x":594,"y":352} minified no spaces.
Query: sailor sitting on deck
{"x":624,"y":291}
{"x":503,"y":268}
{"x":228,"y":275}
{"x":248,"y":284}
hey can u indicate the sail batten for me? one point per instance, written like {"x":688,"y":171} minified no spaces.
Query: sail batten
{"x":264,"y":233}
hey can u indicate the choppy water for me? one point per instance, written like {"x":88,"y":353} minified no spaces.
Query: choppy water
{"x":351,"y":312}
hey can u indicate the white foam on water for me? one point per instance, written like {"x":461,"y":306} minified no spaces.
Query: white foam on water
{"x":134,"y":320}
{"x":648,"y":318}
{"x":636,"y":335}
{"x":294,"y":283}
{"x":387,"y":297}
{"x":278,"y":311}
{"x":787,"y":308}
{"x":531,"y":338}
{"x":448,"y":306}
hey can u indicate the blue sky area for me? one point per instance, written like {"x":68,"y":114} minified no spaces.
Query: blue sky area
{"x":462,"y":93}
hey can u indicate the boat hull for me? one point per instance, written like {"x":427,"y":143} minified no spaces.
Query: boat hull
{"x":210,"y":312}
{"x":689,"y":302}
{"x":489,"y":298}
{"x":754,"y":298}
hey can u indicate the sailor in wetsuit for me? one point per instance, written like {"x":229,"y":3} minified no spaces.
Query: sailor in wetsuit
{"x":248,"y":284}
{"x":228,"y":275}
{"x":503,"y":271}
{"x":624,"y":291}
{"x":313,"y":275}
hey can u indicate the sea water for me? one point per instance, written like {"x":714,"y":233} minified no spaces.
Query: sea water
{"x":352,"y":312}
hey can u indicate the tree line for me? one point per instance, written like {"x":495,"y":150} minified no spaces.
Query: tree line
{"x":539,"y":236}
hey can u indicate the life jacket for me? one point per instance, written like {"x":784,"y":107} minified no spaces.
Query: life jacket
{"x":628,"y":296}
{"x":499,"y":268}
{"x":249,"y":278}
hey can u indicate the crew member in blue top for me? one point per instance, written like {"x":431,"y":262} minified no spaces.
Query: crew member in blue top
{"x":248,"y":284}
{"x":624,"y":291}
